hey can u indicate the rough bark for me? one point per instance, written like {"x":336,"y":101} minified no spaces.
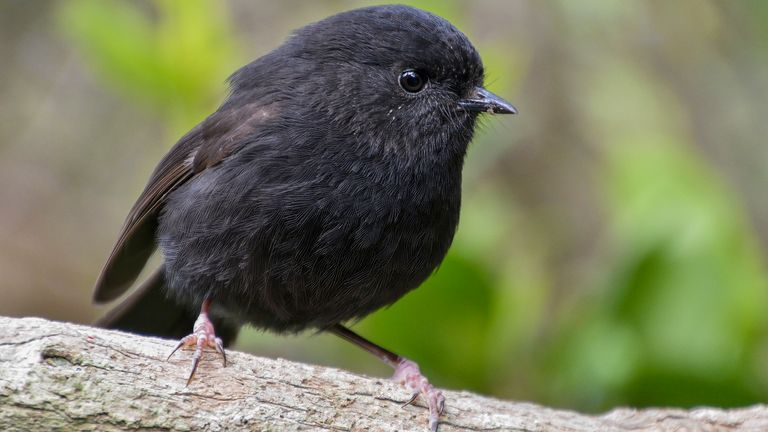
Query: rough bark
{"x":57,"y":376}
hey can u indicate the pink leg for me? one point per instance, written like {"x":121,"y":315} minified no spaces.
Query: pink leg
{"x":202,"y":335}
{"x":407,"y":373}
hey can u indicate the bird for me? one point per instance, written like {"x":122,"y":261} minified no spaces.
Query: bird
{"x":327,"y":185}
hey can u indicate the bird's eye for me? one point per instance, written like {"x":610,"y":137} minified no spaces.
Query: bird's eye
{"x":412,"y":81}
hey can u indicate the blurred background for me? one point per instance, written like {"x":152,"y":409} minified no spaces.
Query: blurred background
{"x":612,"y":249}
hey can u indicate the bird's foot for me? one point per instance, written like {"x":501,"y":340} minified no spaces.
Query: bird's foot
{"x":202,"y":335}
{"x":408,"y":374}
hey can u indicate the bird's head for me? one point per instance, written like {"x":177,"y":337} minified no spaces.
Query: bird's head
{"x":395,"y":77}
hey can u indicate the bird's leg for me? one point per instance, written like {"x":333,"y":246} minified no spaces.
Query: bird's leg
{"x":406,"y":373}
{"x":202,"y":335}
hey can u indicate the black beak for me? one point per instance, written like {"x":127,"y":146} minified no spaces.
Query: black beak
{"x":482,"y":100}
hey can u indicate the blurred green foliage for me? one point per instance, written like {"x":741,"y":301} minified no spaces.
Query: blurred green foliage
{"x":671,"y":312}
{"x":172,"y":58}
{"x":681,"y":316}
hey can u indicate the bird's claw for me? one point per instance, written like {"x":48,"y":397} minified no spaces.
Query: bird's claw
{"x":203,"y":335}
{"x":408,"y":374}
{"x":411,"y":400}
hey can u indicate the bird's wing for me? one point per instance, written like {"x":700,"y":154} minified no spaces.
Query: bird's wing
{"x":209,"y":143}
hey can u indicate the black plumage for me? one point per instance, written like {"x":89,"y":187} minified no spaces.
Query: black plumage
{"x":322,"y":189}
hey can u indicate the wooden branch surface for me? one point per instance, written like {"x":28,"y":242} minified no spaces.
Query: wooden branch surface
{"x":58,"y":376}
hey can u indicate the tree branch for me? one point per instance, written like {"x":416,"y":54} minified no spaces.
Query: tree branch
{"x":57,"y":376}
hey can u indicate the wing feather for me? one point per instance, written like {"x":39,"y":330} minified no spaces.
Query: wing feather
{"x":207,"y":145}
{"x":136,"y":241}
